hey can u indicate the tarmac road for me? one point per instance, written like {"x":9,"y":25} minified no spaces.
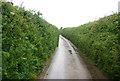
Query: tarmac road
{"x":66,"y":63}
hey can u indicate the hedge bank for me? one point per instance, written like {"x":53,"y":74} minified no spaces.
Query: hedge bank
{"x":27,"y":42}
{"x":98,"y":41}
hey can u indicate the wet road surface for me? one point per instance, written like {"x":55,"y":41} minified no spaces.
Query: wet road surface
{"x":66,"y":63}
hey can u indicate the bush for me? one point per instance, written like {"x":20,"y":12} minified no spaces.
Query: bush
{"x":27,"y":42}
{"x":98,"y":41}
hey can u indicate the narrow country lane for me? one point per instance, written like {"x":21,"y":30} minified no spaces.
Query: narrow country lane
{"x":66,"y":63}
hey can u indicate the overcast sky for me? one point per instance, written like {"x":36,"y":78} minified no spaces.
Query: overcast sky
{"x":70,"y":13}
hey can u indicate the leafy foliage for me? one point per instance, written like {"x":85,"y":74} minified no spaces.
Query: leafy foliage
{"x":98,"y":41}
{"x":0,"y":42}
{"x":28,"y":41}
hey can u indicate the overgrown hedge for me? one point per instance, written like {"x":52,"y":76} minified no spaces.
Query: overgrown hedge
{"x":98,"y":41}
{"x":27,"y":42}
{"x":0,"y":42}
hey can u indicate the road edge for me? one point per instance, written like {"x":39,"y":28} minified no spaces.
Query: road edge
{"x":47,"y":65}
{"x":93,"y":70}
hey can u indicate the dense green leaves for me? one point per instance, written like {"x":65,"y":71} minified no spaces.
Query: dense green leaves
{"x":28,"y":41}
{"x":98,"y":41}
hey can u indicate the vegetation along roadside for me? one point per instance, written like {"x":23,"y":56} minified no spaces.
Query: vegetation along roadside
{"x":98,"y":41}
{"x":27,"y":42}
